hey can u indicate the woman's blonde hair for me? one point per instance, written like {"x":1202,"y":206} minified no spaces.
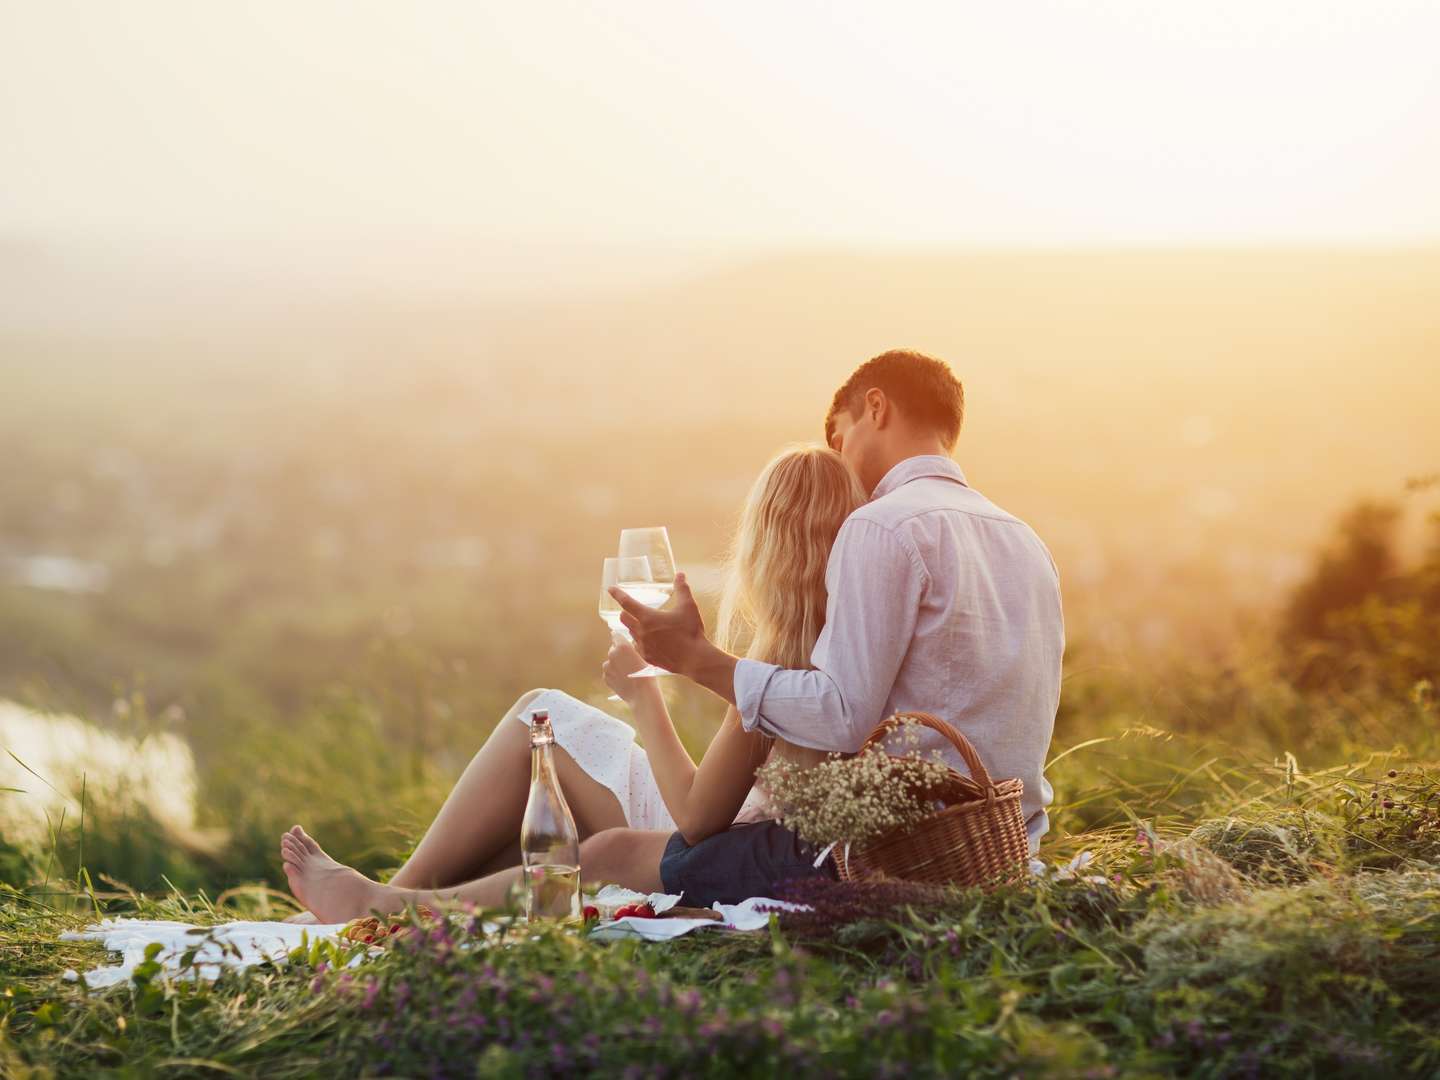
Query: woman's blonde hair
{"x":773,"y":604}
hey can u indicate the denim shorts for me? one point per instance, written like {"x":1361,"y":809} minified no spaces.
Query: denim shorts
{"x":743,"y":861}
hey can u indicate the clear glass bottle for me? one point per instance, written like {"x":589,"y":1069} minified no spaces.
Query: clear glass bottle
{"x":549,"y":841}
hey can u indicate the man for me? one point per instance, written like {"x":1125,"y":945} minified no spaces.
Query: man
{"x":939,"y":602}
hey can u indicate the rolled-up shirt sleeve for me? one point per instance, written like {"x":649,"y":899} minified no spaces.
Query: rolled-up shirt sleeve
{"x":876,"y":583}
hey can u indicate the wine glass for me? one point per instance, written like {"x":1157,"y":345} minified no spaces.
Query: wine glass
{"x":633,"y":575}
{"x":654,"y":545}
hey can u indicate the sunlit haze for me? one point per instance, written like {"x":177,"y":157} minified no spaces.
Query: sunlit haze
{"x":654,"y":125}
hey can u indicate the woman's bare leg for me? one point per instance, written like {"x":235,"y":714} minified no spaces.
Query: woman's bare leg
{"x":478,"y":828}
{"x":628,"y":857}
{"x":336,"y":893}
{"x":502,"y":860}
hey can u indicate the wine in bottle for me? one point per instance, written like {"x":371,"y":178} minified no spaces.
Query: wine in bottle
{"x":549,"y":841}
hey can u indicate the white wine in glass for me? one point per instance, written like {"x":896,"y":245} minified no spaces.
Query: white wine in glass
{"x":633,"y":575}
{"x":652,"y":544}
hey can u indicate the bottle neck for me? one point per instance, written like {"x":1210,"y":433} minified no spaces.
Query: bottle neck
{"x":542,"y":759}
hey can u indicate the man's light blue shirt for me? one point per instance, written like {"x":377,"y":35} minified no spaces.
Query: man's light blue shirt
{"x":939,"y":602}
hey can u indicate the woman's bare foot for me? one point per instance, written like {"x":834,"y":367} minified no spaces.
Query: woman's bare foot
{"x":334,"y":893}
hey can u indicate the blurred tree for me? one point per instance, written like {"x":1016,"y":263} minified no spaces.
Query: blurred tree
{"x":1360,"y":618}
{"x":1359,"y":564}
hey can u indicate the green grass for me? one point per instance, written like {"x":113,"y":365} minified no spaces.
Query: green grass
{"x":1254,"y":919}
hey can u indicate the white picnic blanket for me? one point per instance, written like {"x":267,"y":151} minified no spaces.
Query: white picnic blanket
{"x":745,"y":915}
{"x":227,"y":945}
{"x":245,"y":944}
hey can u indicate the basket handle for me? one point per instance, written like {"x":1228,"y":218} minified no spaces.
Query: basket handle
{"x":978,"y":772}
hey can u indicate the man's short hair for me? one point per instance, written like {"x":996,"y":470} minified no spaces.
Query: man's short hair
{"x":924,"y":389}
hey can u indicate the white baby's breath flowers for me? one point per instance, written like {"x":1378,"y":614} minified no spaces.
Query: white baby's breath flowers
{"x":855,"y":799}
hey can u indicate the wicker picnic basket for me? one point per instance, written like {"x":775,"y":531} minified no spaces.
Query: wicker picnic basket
{"x":978,"y":838}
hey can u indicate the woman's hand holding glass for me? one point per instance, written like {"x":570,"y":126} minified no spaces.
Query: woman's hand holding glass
{"x":619,"y":668}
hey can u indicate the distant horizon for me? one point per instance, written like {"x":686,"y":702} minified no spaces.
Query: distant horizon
{"x":411,"y":264}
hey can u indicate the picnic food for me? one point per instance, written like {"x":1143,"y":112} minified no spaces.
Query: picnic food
{"x":639,"y":911}
{"x":372,"y":930}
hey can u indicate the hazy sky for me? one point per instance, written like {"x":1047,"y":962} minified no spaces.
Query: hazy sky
{"x":771,"y":123}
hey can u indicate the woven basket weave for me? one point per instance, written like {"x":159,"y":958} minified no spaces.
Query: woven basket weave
{"x":978,"y":839}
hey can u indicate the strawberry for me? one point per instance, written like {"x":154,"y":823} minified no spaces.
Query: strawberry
{"x":627,"y":910}
{"x":590,"y":912}
{"x":644,"y":911}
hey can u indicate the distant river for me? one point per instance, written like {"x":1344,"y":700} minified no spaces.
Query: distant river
{"x":60,"y":753}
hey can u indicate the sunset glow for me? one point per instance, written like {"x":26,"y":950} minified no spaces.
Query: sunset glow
{"x":735,"y":125}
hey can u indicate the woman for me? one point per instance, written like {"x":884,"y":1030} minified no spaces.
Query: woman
{"x":630,"y":804}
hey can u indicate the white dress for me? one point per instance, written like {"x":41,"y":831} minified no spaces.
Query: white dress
{"x":606,"y":749}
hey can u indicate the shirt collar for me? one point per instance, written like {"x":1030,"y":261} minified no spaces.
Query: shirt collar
{"x":916,"y":468}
